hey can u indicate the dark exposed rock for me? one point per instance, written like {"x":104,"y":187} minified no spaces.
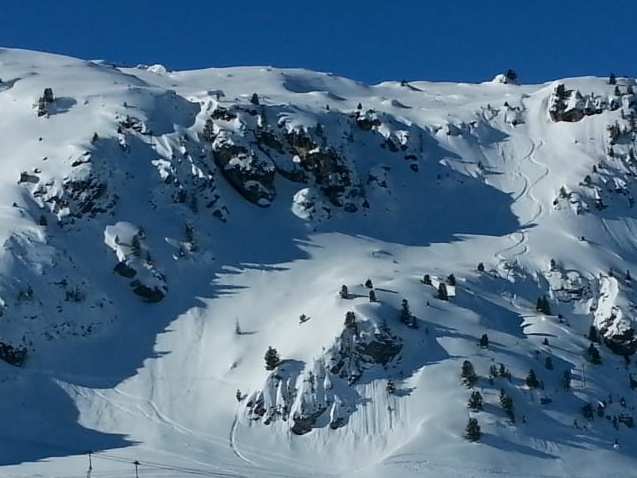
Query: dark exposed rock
{"x":252,"y":176}
{"x":149,"y":294}
{"x":125,"y":270}
{"x":223,"y":114}
{"x":12,"y":355}
{"x":304,"y":423}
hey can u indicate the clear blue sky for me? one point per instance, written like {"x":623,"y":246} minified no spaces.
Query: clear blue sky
{"x":457,"y":40}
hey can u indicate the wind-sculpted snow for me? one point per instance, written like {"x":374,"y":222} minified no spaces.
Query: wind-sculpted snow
{"x":161,"y":230}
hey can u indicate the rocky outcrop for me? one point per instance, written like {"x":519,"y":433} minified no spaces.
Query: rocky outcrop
{"x":252,"y":175}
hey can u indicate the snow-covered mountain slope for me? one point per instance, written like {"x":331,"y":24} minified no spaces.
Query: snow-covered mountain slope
{"x":161,"y":230}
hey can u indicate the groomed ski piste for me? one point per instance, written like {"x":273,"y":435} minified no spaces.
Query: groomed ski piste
{"x":145,"y":281}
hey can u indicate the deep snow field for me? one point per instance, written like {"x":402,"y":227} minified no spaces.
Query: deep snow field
{"x":435,"y":178}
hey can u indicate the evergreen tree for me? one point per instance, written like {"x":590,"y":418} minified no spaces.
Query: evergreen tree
{"x":493,"y":371}
{"x":472,"y":430}
{"x":391,"y":387}
{"x":426,"y":279}
{"x":372,"y":296}
{"x":344,"y":292}
{"x":451,"y":279}
{"x":593,"y":355}
{"x":475,"y":401}
{"x":548,"y":363}
{"x":511,"y":75}
{"x":480,"y":267}
{"x":255,"y":99}
{"x":502,"y":371}
{"x":506,"y":402}
{"x":405,"y":313}
{"x":42,"y":221}
{"x":628,"y":276}
{"x":189,"y":233}
{"x":531,"y":380}
{"x":617,"y":92}
{"x":442,"y":291}
{"x":350,"y":320}
{"x":209,"y":131}
{"x":484,"y":341}
{"x":545,"y":341}
{"x":48,"y":95}
{"x":272,"y":358}
{"x":592,"y":334}
{"x":566,"y":380}
{"x":135,"y":246}
{"x":368,"y":284}
{"x":468,"y":374}
{"x":612,"y":79}
{"x":359,"y":106}
{"x":587,"y":411}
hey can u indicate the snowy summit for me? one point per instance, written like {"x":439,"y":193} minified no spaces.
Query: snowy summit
{"x":262,"y":272}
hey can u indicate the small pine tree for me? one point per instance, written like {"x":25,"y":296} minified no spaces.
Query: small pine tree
{"x":566,"y":380}
{"x":405,"y":313}
{"x":359,"y":106}
{"x":368,"y":284}
{"x":493,"y":371}
{"x":502,"y":371}
{"x":426,"y":279}
{"x":587,"y":411}
{"x":442,"y":291}
{"x":344,"y":292}
{"x":48,"y":95}
{"x":612,"y":79}
{"x":506,"y":402}
{"x":617,"y":92}
{"x":390,"y":387}
{"x":511,"y":75}
{"x":372,"y":296}
{"x":592,"y":334}
{"x":531,"y":380}
{"x":548,"y":363}
{"x":189,"y":233}
{"x":272,"y":358}
{"x":136,"y":247}
{"x":472,"y":430}
{"x":350,"y":320}
{"x":480,"y":267}
{"x":42,"y":221}
{"x":594,"y":355}
{"x":468,"y":374}
{"x":255,"y":99}
{"x":451,"y":279}
{"x":484,"y":341}
{"x":628,"y":276}
{"x":545,"y":341}
{"x":475,"y":401}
